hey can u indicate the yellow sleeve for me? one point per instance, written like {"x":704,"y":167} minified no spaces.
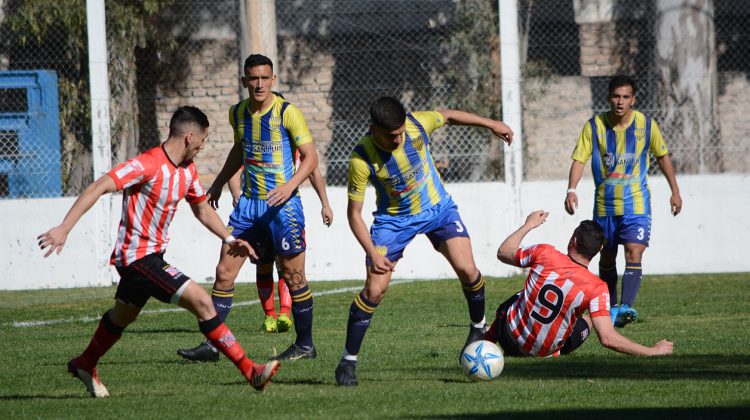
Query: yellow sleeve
{"x":294,"y":121}
{"x":359,"y":172}
{"x":658,"y":148}
{"x":430,"y":120}
{"x":584,"y":147}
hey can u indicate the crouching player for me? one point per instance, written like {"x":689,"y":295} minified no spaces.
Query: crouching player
{"x":546,"y":317}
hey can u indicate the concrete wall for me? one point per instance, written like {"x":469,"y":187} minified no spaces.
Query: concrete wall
{"x":707,"y":237}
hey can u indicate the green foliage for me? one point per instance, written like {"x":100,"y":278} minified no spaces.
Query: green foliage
{"x":408,"y":365}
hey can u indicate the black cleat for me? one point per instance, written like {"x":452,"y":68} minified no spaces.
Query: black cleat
{"x":295,"y":352}
{"x":345,"y":373}
{"x":202,"y":353}
{"x":475,"y":334}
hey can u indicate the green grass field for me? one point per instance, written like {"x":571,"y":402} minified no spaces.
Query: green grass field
{"x":408,"y":365}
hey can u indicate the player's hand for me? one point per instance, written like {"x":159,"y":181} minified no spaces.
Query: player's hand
{"x":502,"y":130}
{"x":381,"y":264}
{"x":214,"y":194}
{"x":235,"y":199}
{"x":327,"y":214}
{"x":241,"y":248}
{"x":676,"y":202}
{"x":663,"y":347}
{"x":54,"y":239}
{"x":571,"y":202}
{"x":536,"y":218}
{"x":280,"y":194}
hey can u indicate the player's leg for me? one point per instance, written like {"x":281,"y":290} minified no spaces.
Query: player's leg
{"x":284,"y":321}
{"x":608,"y":259}
{"x":580,"y":333}
{"x":634,"y":234}
{"x":293,"y":272}
{"x":195,"y":299}
{"x":264,"y":283}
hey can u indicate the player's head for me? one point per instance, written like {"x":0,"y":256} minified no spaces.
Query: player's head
{"x":190,"y":125}
{"x":587,"y":239}
{"x":387,"y":122}
{"x":259,"y":78}
{"x":621,"y":95}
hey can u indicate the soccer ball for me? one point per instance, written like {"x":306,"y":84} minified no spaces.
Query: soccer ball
{"x":482,"y":360}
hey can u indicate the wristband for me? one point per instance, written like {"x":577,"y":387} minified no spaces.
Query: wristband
{"x":571,"y":190}
{"x":229,"y":239}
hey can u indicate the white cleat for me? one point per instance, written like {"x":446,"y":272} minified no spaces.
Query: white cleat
{"x":94,"y":386}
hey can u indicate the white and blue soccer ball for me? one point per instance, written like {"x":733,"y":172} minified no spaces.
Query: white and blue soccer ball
{"x":482,"y":360}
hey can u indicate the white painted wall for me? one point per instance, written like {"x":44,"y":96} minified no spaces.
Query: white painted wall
{"x":708,"y":236}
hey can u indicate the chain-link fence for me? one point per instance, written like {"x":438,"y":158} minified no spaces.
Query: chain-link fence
{"x":335,"y":56}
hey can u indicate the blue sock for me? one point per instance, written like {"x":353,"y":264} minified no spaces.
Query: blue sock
{"x":609,"y":275}
{"x":222,"y":300}
{"x":360,"y":314}
{"x":631,"y":282}
{"x":474,"y":294}
{"x":302,"y":312}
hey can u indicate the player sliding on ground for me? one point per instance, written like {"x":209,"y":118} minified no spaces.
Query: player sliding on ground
{"x":411,"y":199}
{"x":546,"y":317}
{"x":152,"y":184}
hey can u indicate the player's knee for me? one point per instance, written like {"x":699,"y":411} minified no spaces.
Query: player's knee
{"x":225,"y":276}
{"x":375,"y":295}
{"x":467,"y":274}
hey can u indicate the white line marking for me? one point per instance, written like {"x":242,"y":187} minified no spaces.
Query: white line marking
{"x":24,"y":324}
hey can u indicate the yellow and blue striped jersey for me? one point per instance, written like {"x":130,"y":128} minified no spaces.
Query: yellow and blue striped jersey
{"x":405,"y":180}
{"x":269,"y":142}
{"x":620,"y":162}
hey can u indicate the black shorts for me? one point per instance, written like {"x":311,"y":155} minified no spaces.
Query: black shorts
{"x":579,"y":334}
{"x":147,"y":277}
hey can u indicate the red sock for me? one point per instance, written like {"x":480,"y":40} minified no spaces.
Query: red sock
{"x":224,"y":340}
{"x":265,"y":292}
{"x":285,"y":298}
{"x":106,"y":335}
{"x":491,"y":334}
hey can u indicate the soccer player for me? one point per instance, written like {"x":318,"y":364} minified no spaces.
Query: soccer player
{"x":619,"y":142}
{"x":411,"y":199}
{"x":546,"y":317}
{"x":152,"y":184}
{"x":267,"y":131}
{"x":280,"y":322}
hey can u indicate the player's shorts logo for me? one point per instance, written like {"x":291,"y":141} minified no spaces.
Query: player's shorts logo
{"x":172,"y":271}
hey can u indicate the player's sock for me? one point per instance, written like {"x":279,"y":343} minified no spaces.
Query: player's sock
{"x":360,"y":314}
{"x":609,"y":275}
{"x":285,"y":299}
{"x":106,"y":335}
{"x":222,"y":300}
{"x":264,"y":282}
{"x":474,"y":294}
{"x":302,"y":312}
{"x":222,"y":338}
{"x":631,"y":282}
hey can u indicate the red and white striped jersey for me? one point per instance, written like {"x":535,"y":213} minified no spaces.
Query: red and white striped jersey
{"x":152,"y":186}
{"x":557,"y":291}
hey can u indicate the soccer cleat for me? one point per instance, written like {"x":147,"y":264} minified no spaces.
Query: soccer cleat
{"x":295,"y":352}
{"x":203,"y":352}
{"x":345,"y":373}
{"x":613,"y":313}
{"x":625,"y":315}
{"x":283,"y":323}
{"x":94,"y":386}
{"x":269,"y":324}
{"x":260,"y":375}
{"x":475,"y":334}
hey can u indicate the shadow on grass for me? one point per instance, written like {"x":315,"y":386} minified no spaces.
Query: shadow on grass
{"x":723,"y":413}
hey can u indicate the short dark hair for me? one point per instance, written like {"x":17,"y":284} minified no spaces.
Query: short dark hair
{"x":388,"y":113}
{"x":254,"y":60}
{"x":186,"y":115}
{"x":619,"y":81}
{"x":589,"y":238}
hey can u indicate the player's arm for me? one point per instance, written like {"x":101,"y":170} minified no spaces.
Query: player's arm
{"x":380,"y":264}
{"x":574,"y":176}
{"x":55,"y":238}
{"x":319,"y":185}
{"x":230,"y":168}
{"x":211,"y":220}
{"x":235,"y":187}
{"x":675,"y":201}
{"x":498,"y":128}
{"x":309,"y":161}
{"x":507,"y":250}
{"x":613,"y":340}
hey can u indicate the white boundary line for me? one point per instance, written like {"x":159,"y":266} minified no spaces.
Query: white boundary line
{"x":25,"y":324}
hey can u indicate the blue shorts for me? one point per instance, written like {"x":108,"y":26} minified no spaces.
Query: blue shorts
{"x":391,"y":234}
{"x":272,"y":230}
{"x":627,"y":229}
